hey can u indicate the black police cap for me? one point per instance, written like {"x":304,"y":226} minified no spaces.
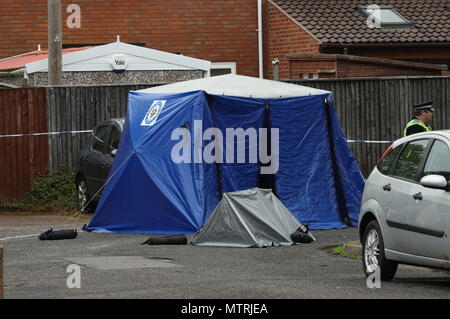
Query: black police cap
{"x":425,"y":106}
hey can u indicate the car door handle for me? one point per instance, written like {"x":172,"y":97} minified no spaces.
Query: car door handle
{"x":418,"y":196}
{"x":387,"y":187}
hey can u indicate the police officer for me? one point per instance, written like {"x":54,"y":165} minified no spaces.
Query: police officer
{"x":423,"y":115}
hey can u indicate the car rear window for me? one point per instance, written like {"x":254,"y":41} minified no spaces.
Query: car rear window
{"x":384,"y":166}
{"x":115,"y":139}
{"x":409,"y":161}
{"x":100,"y":135}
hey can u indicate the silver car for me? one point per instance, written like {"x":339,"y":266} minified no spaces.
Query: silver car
{"x":405,"y":211}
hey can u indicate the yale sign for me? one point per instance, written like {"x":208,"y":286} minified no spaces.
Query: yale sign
{"x":119,"y":62}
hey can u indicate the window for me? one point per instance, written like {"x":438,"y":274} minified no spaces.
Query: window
{"x":388,"y":16}
{"x":408,"y":163}
{"x":222,"y":68}
{"x":114,"y":140}
{"x":100,"y":136}
{"x":384,"y":166}
{"x":438,"y":161}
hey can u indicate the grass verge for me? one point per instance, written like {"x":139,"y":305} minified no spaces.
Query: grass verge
{"x":342,"y":251}
{"x":50,"y":192}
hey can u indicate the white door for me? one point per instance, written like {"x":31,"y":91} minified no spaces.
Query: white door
{"x":429,"y":216}
{"x":398,"y":189}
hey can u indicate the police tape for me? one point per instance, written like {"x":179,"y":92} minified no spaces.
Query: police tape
{"x":90,"y":131}
{"x":48,"y":133}
{"x":370,"y":142}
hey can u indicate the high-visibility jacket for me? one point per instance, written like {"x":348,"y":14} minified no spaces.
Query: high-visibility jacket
{"x":426,"y":127}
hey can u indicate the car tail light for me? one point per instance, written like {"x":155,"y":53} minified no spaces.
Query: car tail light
{"x":386,"y":153}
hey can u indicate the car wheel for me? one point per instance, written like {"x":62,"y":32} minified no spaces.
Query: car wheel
{"x":373,"y":253}
{"x":83,"y":197}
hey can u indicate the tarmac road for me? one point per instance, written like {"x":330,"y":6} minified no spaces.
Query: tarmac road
{"x":118,"y":266}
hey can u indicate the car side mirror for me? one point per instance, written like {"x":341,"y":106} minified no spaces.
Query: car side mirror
{"x":113,"y":153}
{"x":435,"y":181}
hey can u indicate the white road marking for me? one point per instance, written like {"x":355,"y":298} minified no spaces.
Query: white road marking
{"x":18,"y":237}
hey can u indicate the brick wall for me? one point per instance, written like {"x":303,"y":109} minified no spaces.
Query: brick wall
{"x":300,"y":67}
{"x":348,"y":69}
{"x":334,"y":67}
{"x":284,"y":37}
{"x":219,"y":31}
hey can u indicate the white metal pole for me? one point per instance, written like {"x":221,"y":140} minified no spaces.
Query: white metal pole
{"x":260,"y":40}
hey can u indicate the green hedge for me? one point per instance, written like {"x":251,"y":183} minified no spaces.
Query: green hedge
{"x":50,"y":192}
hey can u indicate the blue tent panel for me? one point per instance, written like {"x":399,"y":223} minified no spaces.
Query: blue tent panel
{"x":350,"y":190}
{"x":134,"y":210}
{"x":148,"y":192}
{"x":243,"y":114}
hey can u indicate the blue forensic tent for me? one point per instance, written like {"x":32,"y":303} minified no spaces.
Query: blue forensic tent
{"x":152,"y":190}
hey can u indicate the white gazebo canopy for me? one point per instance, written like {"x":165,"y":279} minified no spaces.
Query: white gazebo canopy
{"x":238,"y":85}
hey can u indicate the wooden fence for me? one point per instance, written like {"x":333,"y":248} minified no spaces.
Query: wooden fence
{"x":22,"y":111}
{"x":80,"y":109}
{"x":378,"y":109}
{"x":369,"y":109}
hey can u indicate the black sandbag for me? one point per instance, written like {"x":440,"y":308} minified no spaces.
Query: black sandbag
{"x":301,"y":235}
{"x":58,"y":234}
{"x":166,"y":240}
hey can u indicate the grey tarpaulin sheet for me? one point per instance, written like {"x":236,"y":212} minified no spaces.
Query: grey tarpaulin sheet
{"x":249,"y":218}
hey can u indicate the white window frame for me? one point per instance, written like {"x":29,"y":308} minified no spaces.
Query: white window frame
{"x":224,"y":65}
{"x":405,"y":24}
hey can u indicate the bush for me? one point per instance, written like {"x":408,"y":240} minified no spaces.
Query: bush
{"x":52,"y":192}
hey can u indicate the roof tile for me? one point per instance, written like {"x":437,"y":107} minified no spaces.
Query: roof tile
{"x":19,"y":62}
{"x":341,"y":21}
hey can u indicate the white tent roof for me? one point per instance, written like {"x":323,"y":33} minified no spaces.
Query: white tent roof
{"x":238,"y":85}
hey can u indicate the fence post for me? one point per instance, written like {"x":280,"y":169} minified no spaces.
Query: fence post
{"x":1,"y":273}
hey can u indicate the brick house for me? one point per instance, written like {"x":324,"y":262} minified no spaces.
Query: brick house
{"x":330,"y":38}
{"x":224,"y":32}
{"x":297,"y":32}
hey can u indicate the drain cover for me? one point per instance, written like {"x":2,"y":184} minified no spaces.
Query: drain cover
{"x":122,"y":262}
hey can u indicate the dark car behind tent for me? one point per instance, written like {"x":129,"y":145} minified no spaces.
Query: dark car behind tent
{"x":95,"y":162}
{"x":317,"y":178}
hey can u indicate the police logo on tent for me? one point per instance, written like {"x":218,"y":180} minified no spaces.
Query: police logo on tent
{"x":152,"y":115}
